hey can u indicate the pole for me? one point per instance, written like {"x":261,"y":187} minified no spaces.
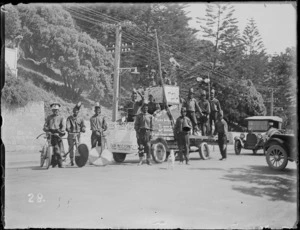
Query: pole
{"x":272,"y":102}
{"x":162,"y":82}
{"x":116,"y":72}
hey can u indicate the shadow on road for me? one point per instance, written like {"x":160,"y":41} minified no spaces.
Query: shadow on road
{"x":38,"y":168}
{"x":263,"y":181}
{"x":203,"y":169}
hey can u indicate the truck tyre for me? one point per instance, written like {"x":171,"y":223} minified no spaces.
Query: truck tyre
{"x":237,"y":147}
{"x":159,"y":152}
{"x":119,"y":157}
{"x":277,"y":157}
{"x":204,"y":151}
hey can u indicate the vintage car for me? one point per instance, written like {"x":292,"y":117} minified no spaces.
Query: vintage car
{"x":279,"y":149}
{"x":259,"y":130}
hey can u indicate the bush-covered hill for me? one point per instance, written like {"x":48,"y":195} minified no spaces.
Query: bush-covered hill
{"x":32,"y":86}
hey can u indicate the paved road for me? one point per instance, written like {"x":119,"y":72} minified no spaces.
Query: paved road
{"x":241,"y":192}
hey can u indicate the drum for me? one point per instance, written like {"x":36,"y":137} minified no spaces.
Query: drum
{"x":81,"y":155}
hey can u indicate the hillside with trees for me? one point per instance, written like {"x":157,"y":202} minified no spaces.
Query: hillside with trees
{"x":73,"y":44}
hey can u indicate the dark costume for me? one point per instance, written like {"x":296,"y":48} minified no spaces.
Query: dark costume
{"x":221,"y":129}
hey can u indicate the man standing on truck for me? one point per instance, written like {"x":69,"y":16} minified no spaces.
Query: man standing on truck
{"x":143,"y":126}
{"x":204,"y":118}
{"x":192,"y":106}
{"x":222,"y":130}
{"x":133,"y":106}
{"x":215,"y":107}
{"x":182,"y":129}
{"x":55,"y":124}
{"x":152,"y":106}
{"x":98,"y":126}
{"x":74,"y":126}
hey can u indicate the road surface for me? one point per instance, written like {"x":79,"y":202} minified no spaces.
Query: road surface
{"x":241,"y":192}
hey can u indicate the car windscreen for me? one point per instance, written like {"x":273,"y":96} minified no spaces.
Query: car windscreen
{"x":258,"y":126}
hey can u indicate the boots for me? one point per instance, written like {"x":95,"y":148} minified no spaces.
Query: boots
{"x":141,"y":161}
{"x":148,"y":162}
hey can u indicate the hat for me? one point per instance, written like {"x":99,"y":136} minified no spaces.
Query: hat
{"x":203,"y":93}
{"x":55,"y":105}
{"x":77,"y":106}
{"x":97,"y":105}
{"x":191,"y":91}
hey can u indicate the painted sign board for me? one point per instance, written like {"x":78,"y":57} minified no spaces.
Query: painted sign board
{"x":172,"y":94}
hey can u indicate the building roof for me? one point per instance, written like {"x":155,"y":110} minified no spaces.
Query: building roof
{"x":264,"y":118}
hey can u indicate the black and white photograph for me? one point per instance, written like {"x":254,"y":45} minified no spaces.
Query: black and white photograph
{"x":158,"y":115}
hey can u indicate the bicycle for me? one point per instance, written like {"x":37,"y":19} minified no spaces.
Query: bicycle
{"x":81,"y":151}
{"x":47,"y":150}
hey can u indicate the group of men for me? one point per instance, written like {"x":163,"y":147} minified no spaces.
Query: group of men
{"x":209,"y":110}
{"x":56,"y":126}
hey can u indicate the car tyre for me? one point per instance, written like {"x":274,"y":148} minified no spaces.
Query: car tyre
{"x":119,"y":157}
{"x":237,"y":147}
{"x":204,"y":151}
{"x":159,"y":152}
{"x":277,"y":157}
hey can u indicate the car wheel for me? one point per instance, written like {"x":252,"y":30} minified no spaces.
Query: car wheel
{"x":119,"y":157}
{"x":204,"y":151}
{"x":237,"y":147}
{"x":277,"y":157}
{"x":159,"y":152}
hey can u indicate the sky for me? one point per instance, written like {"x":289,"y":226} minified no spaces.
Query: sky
{"x":276,"y":22}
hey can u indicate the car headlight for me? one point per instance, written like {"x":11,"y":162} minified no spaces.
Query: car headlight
{"x":242,"y":135}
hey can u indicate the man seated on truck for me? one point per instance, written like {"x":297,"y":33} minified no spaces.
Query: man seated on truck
{"x":192,"y":106}
{"x":204,"y":118}
{"x":143,"y":126}
{"x":152,"y":105}
{"x":133,"y":106}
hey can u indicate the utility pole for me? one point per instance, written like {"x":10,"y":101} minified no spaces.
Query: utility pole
{"x":116,"y":72}
{"x":272,"y":102}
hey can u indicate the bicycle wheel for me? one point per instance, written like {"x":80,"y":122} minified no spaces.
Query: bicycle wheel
{"x":43,"y":154}
{"x":49,"y":156}
{"x":81,"y":155}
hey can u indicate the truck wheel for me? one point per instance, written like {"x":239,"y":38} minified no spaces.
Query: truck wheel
{"x":277,"y":157}
{"x":237,"y":147}
{"x":119,"y":157}
{"x":204,"y":151}
{"x":159,"y":152}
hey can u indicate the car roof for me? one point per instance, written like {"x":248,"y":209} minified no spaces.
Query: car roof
{"x":264,"y":118}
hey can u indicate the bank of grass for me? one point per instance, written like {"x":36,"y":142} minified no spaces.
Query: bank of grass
{"x":18,"y":92}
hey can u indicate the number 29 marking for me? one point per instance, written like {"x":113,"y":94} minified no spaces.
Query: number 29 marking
{"x":32,"y":198}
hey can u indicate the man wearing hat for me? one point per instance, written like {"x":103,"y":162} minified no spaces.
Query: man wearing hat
{"x":204,"y":118}
{"x":133,"y":106}
{"x":152,"y":105}
{"x":222,"y":130}
{"x":74,"y":126}
{"x":143,"y":126}
{"x":215,"y":107}
{"x":192,"y":106}
{"x":98,"y":126}
{"x":55,"y":124}
{"x":182,"y":129}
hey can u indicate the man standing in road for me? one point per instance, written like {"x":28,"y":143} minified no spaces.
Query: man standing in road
{"x":182,"y":129}
{"x":55,"y":124}
{"x":222,"y":130}
{"x":133,"y":106}
{"x":98,"y":126}
{"x":191,"y":107}
{"x":204,"y":118}
{"x":74,"y":126}
{"x":215,"y":107}
{"x":143,"y":126}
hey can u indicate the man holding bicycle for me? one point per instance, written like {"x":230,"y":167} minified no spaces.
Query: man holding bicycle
{"x":55,"y":125}
{"x":74,"y":126}
{"x":98,"y":126}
